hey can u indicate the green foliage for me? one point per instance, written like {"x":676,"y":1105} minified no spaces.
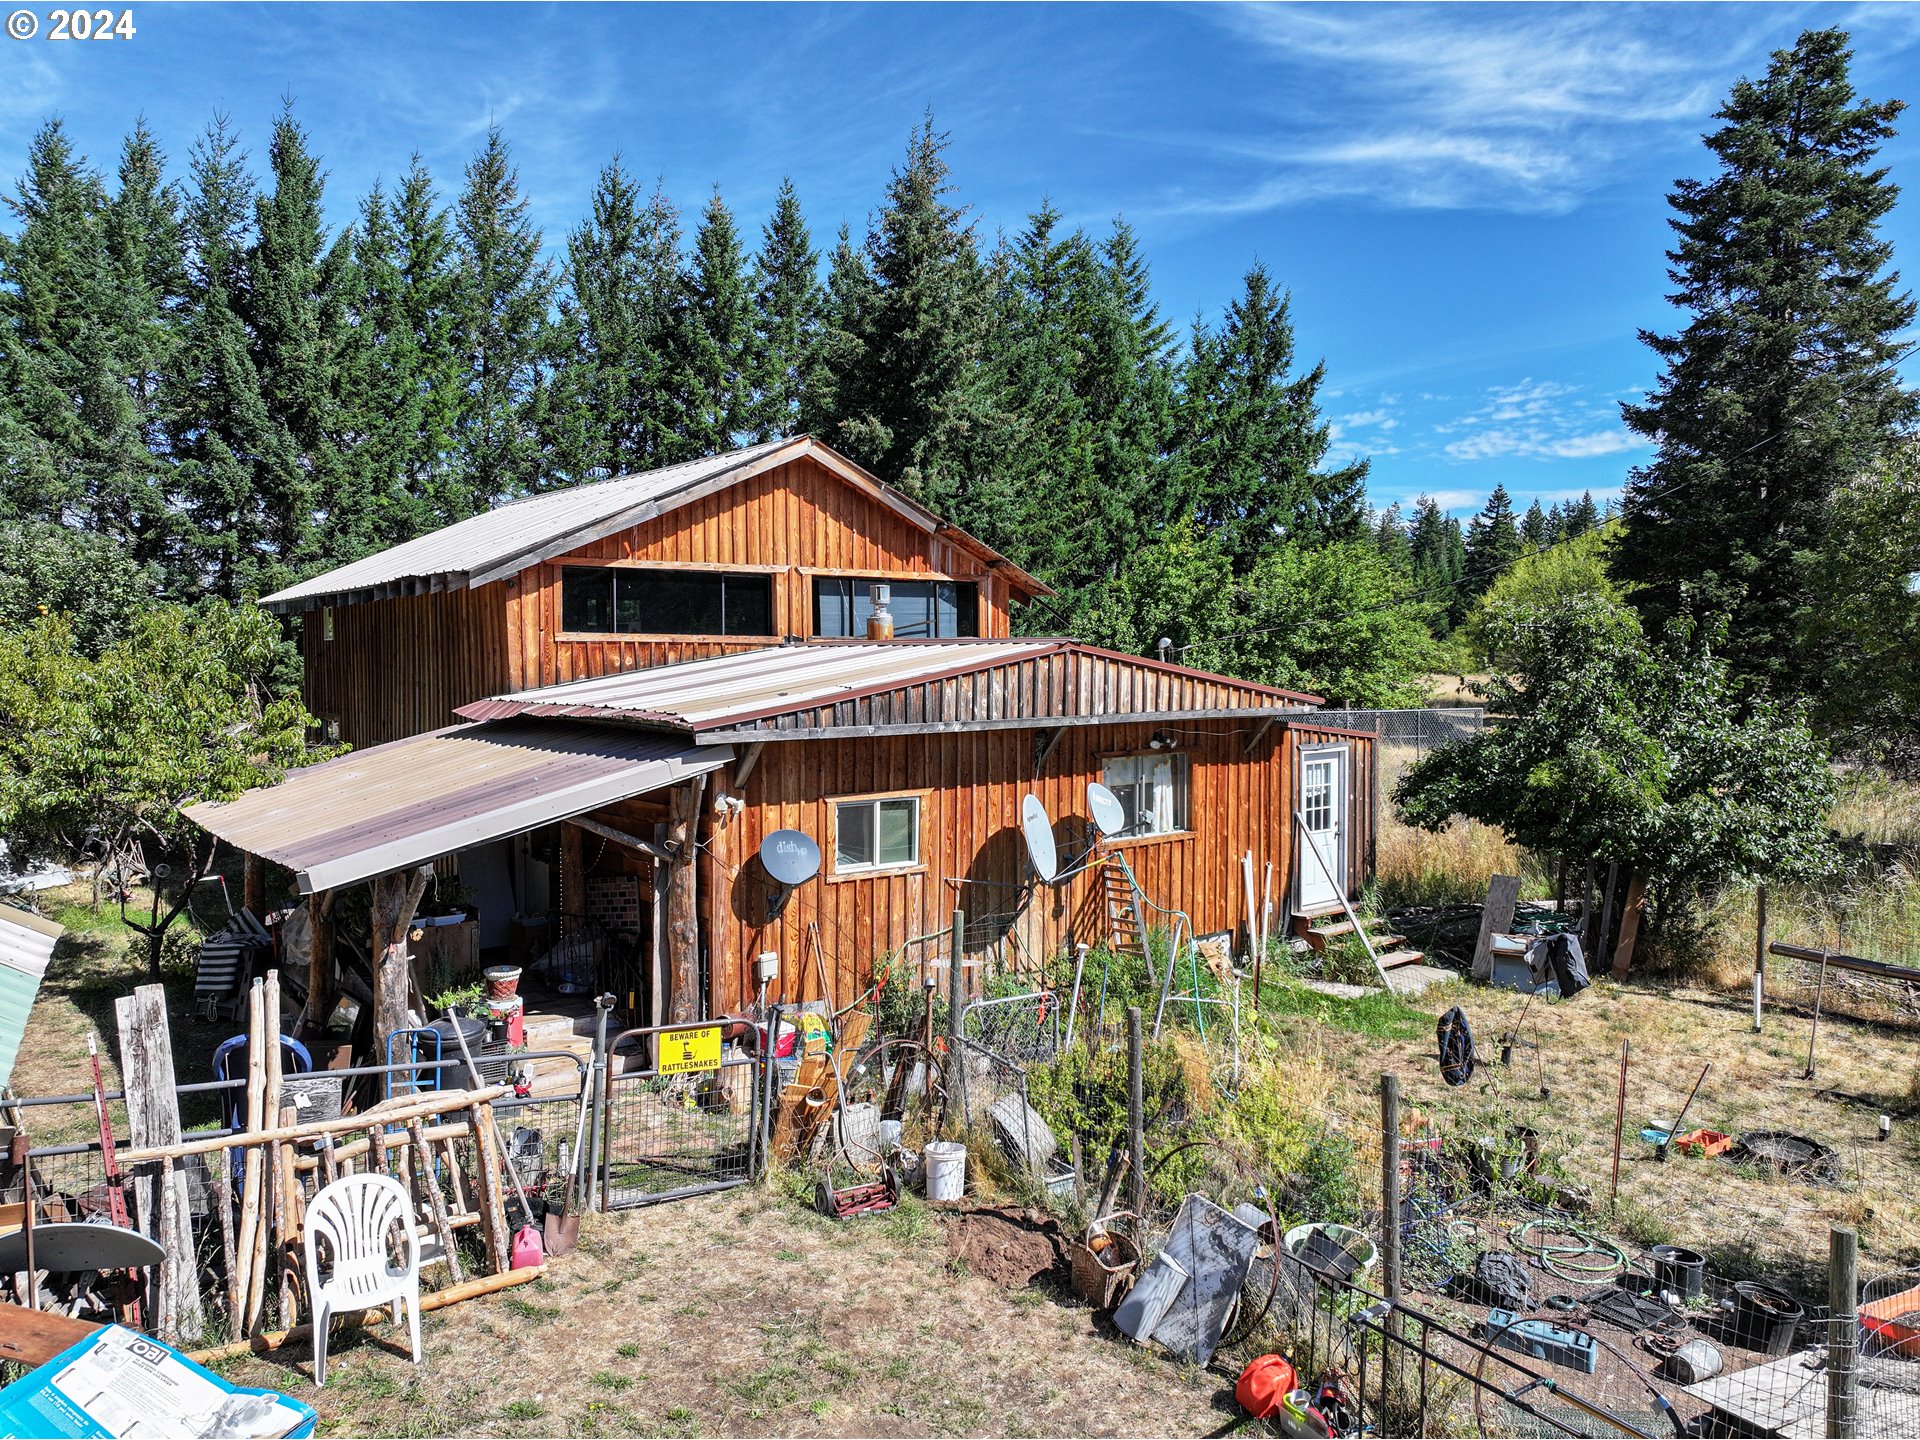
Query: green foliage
{"x":1617,"y":748}
{"x":1781,"y":388}
{"x":89,"y":580}
{"x":1379,"y":1015}
{"x":1084,"y":1093}
{"x":1573,"y":570}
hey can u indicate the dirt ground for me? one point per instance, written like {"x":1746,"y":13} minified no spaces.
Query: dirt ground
{"x":743,"y":1314}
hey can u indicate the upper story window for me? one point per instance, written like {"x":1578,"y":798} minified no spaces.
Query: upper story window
{"x":921,"y":609}
{"x":1152,"y":790}
{"x":607,"y":600}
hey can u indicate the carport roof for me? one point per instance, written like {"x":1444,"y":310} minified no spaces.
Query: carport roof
{"x":409,"y":801}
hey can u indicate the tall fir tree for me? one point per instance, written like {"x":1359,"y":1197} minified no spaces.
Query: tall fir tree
{"x":1780,"y":387}
{"x":1253,"y":445}
{"x":506,"y":289}
{"x":838,"y":351}
{"x":1534,"y":531}
{"x":215,"y":415}
{"x":788,"y":312}
{"x":912,"y":397}
{"x":1493,"y":541}
{"x":427,"y":305}
{"x":1391,"y":540}
{"x":1439,"y":561}
{"x":719,"y":361}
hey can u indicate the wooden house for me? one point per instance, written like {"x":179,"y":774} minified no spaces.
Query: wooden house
{"x":579,"y":757}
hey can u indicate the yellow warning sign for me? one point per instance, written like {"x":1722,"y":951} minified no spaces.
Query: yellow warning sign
{"x":684,"y":1051}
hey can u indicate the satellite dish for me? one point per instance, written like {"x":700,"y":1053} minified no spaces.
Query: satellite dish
{"x":1109,"y":816}
{"x":1039,"y":832}
{"x":791,"y":858}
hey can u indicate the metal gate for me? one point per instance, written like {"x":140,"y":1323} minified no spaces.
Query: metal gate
{"x":668,"y":1130}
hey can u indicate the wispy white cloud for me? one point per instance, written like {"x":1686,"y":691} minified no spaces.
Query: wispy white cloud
{"x":1512,"y":108}
{"x":1537,"y":420}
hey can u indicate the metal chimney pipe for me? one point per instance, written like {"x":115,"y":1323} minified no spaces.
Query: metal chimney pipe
{"x":880,"y":620}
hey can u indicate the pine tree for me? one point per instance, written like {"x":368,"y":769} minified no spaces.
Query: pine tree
{"x":718,"y":365}
{"x":598,"y":424}
{"x":1438,"y":559}
{"x":788,"y":305}
{"x":1129,"y":389}
{"x":1252,"y":442}
{"x":838,"y":350}
{"x":431,"y":369}
{"x":911,"y":397}
{"x":216,"y":420}
{"x":1581,"y":518}
{"x":1780,"y":387}
{"x":1391,"y":540}
{"x":1493,"y":542}
{"x":294,"y":310}
{"x":503,"y":329}
{"x":1534,"y":530}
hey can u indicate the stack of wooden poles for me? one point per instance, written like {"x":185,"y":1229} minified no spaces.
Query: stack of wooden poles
{"x":419,"y":1139}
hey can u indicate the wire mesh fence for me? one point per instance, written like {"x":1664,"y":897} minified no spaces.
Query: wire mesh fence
{"x":1418,"y":730}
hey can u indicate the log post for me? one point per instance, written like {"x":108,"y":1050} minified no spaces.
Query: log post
{"x":253,"y":885}
{"x":719,"y":903}
{"x":491,"y":1202}
{"x":1136,"y":1114}
{"x":1759,"y":955}
{"x":683,"y":905}
{"x":1629,"y":925}
{"x":396,"y":895}
{"x":1843,"y":1330}
{"x":320,"y":958}
{"x":153,"y":1119}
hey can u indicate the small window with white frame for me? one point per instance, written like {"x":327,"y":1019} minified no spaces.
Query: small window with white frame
{"x":881,"y":833}
{"x":1152,"y":791}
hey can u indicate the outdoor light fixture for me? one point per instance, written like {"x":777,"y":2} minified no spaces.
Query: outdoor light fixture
{"x":1160,"y":741}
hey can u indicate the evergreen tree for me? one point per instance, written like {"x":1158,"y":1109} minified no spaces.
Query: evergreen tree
{"x":912,"y":397}
{"x":1779,"y":389}
{"x":1533,"y":528}
{"x":1493,"y":542}
{"x":506,"y":289}
{"x":838,"y":350}
{"x":719,"y":365}
{"x":216,"y":419}
{"x":787,"y":315}
{"x":1439,"y":561}
{"x":1391,"y":540}
{"x":1252,"y":442}
{"x":1129,"y":388}
{"x":294,"y":289}
{"x":1580,"y":518}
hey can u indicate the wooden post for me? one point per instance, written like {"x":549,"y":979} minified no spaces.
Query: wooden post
{"x":436,"y":1202}
{"x":493,"y":1205}
{"x":153,"y":1119}
{"x":573,"y":880}
{"x":1606,"y":918}
{"x":286,"y":1252}
{"x":1759,"y":954}
{"x":1843,"y":1330}
{"x":222,"y":1177}
{"x":1496,"y":918}
{"x":1136,"y":1113}
{"x":683,"y":902}
{"x":956,"y":1012}
{"x":1629,"y":924}
{"x":253,"y":885}
{"x":721,"y":960}
{"x":320,"y":959}
{"x":1390,"y":1217}
{"x":253,"y":1240}
{"x":396,"y":895}
{"x":1619,"y":1126}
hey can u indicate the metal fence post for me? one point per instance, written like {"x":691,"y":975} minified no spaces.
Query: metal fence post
{"x":1759,"y":954}
{"x":1389,"y":1224}
{"x":1843,"y":1329}
{"x":956,"y":1000}
{"x":1136,"y":1113}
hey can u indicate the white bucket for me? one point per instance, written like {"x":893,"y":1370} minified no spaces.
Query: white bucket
{"x":890,"y":1135}
{"x":946,"y":1170}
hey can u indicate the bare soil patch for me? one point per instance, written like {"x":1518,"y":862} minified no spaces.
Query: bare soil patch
{"x":1008,"y":1247}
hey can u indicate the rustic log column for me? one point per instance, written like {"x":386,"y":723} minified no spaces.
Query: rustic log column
{"x":319,"y":958}
{"x":253,"y":885}
{"x":717,"y":867}
{"x":396,"y":895}
{"x":683,"y":903}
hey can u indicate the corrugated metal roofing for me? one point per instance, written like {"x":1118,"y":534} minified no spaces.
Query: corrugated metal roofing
{"x":26,"y":945}
{"x":729,"y":690}
{"x":406,"y":802}
{"x":506,"y":540}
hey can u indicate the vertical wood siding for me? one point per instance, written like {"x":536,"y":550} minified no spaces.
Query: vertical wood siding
{"x":399,"y":667}
{"x":972,"y":852}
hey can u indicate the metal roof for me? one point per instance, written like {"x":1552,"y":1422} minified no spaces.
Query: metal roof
{"x":405,"y":803}
{"x":756,"y":685}
{"x":510,"y":538}
{"x":26,"y":945}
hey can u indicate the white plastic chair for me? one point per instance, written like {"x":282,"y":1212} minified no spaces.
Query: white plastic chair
{"x":355,"y":1216}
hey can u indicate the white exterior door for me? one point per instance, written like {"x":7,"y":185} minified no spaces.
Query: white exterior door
{"x":1323,"y":804}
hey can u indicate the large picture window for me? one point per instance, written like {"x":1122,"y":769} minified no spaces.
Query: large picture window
{"x":878,"y":834}
{"x":1152,"y":790}
{"x":605,"y":600}
{"x":921,"y":609}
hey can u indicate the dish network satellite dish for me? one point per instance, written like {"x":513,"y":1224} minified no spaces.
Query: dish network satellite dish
{"x":790,"y":857}
{"x":1038,"y":829}
{"x":1109,"y":816}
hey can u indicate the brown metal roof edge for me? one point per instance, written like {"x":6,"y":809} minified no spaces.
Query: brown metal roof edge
{"x":1160,"y":665}
{"x":1305,"y":722}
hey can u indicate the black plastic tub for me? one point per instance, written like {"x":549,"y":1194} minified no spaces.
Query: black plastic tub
{"x":1765,"y":1318}
{"x":1680,"y":1270}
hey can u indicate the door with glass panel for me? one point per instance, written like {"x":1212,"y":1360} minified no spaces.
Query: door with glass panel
{"x":1323,"y":805}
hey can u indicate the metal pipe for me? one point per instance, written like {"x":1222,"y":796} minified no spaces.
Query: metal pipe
{"x":1306,"y":836}
{"x":1674,"y":1129}
{"x":1073,"y":1001}
{"x":1619,"y":1124}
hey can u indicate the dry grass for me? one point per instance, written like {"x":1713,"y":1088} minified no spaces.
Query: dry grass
{"x":1422,"y":867}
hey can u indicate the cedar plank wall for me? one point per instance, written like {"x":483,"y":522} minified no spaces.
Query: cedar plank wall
{"x":398,"y":667}
{"x":792,"y":519}
{"x":970,"y":820}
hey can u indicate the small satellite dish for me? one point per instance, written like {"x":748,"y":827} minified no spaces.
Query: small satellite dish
{"x":1109,"y":816}
{"x":1039,"y":832}
{"x":791,"y":858}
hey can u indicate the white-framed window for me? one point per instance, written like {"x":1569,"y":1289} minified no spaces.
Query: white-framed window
{"x":881,"y":833}
{"x":1152,"y":790}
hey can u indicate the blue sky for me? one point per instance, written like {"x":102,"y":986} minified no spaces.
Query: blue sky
{"x":1468,"y":203}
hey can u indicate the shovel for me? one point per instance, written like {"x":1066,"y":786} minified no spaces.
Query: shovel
{"x":525,"y":1251}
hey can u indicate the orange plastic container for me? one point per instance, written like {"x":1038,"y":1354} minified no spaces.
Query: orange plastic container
{"x":1704,"y":1142}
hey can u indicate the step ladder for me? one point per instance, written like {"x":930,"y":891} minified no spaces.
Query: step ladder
{"x":1126,"y":920}
{"x":1387,"y":945}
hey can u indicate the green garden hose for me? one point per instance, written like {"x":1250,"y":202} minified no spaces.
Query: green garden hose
{"x":1585,"y":1257}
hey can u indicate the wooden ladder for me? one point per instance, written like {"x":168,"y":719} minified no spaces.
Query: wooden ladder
{"x":1387,"y":945}
{"x":1126,"y":925}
